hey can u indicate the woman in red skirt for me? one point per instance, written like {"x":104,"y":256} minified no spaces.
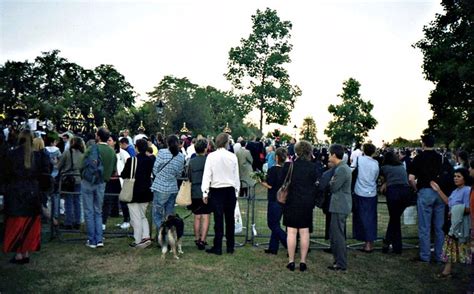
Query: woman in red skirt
{"x":23,"y":167}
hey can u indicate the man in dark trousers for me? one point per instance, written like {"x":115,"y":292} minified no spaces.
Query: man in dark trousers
{"x":220,"y":186}
{"x":340,"y":206}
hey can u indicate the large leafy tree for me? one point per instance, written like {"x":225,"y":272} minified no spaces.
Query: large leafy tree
{"x":16,"y":80}
{"x":352,"y":118}
{"x":308,"y":130}
{"x":448,"y":61}
{"x":205,"y":110}
{"x":256,"y":67}
{"x":51,"y":85}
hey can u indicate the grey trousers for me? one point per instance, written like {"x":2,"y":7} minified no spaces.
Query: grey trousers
{"x":338,"y":239}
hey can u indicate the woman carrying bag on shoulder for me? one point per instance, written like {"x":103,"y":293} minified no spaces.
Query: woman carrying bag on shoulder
{"x":142,"y":194}
{"x":298,"y":209}
{"x":71,"y":182}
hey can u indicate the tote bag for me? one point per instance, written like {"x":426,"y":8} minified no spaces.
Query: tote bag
{"x":126,"y":195}
{"x":184,"y":194}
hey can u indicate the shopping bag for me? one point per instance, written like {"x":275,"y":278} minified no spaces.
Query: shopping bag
{"x":184,"y":194}
{"x":238,"y":219}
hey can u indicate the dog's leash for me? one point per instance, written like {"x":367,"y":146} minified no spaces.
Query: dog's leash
{"x":193,"y":212}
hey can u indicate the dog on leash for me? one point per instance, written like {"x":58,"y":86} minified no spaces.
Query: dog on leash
{"x":169,"y":234}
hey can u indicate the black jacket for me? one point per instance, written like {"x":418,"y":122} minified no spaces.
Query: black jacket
{"x":141,"y":189}
{"x":22,"y":195}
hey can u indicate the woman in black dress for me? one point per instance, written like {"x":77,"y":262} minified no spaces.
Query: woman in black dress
{"x":298,"y":210}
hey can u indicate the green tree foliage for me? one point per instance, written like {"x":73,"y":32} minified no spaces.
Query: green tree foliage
{"x":402,"y":142}
{"x":205,"y":110}
{"x":308,"y":130}
{"x":257,"y":68}
{"x":448,"y":62}
{"x":52,"y":85}
{"x":352,"y":119}
{"x":284,"y":137}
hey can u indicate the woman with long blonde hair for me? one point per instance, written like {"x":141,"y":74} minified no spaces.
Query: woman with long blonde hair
{"x":22,"y":199}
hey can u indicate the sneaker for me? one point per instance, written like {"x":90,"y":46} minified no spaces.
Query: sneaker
{"x":90,"y":245}
{"x":133,"y":245}
{"x":100,"y":244}
{"x":125,"y":225}
{"x":103,"y":227}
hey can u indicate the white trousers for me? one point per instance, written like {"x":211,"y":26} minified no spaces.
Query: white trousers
{"x":139,"y":222}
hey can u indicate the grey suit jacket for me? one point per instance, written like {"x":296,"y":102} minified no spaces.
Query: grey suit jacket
{"x":245,"y":167}
{"x":341,"y":199}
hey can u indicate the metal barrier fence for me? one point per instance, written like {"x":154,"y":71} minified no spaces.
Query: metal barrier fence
{"x":255,"y":230}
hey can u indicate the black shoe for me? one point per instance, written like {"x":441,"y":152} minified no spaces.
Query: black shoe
{"x":291,"y":266}
{"x":303,"y":267}
{"x":336,"y":268}
{"x":230,"y":251}
{"x":20,"y":261}
{"x":327,"y":250}
{"x":200,"y":245}
{"x":270,"y":251}
{"x":214,"y":251}
{"x":76,"y":226}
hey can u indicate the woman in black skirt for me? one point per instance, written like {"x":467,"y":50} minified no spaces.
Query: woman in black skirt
{"x":298,"y":210}
{"x":201,"y":211}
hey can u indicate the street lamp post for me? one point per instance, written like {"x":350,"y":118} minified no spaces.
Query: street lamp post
{"x":159,"y":107}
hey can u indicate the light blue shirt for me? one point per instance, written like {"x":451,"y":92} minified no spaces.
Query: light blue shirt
{"x":271,"y":159}
{"x":366,"y":184}
{"x":459,"y":196}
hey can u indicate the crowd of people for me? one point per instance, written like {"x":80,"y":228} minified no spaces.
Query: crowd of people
{"x":89,"y":173}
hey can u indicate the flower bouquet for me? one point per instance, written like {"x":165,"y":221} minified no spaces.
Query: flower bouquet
{"x":259,"y":176}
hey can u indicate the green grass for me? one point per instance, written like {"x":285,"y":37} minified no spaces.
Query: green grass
{"x":71,"y":267}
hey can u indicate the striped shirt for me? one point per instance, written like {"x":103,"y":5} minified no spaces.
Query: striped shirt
{"x":166,"y":170}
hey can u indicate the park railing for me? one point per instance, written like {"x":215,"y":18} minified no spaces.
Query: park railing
{"x":255,"y":231}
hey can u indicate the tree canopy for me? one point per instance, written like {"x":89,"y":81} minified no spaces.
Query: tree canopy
{"x":256,"y":67}
{"x":352,"y":118}
{"x":448,"y":62}
{"x":308,"y":130}
{"x":205,"y":110}
{"x":52,"y":85}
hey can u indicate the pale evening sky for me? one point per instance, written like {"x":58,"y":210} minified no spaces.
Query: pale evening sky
{"x":332,"y":41}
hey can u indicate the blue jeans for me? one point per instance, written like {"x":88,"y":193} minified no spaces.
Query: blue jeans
{"x":430,"y":207}
{"x":163,"y":205}
{"x":274,"y":214}
{"x":93,"y":197}
{"x":73,"y":207}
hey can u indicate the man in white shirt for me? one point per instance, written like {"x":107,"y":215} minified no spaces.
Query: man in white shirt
{"x":220,"y":187}
{"x":356,"y":153}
